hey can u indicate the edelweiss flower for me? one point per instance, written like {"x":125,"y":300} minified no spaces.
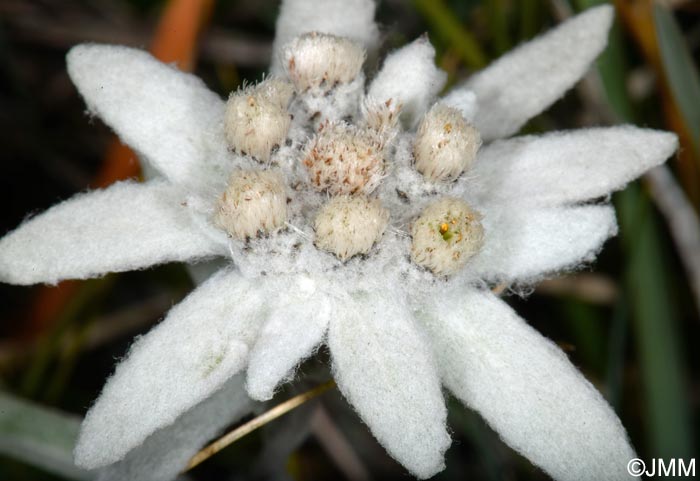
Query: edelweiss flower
{"x":365,"y":221}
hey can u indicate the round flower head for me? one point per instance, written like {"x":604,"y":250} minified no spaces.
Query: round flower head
{"x":328,"y":71}
{"x":446,"y":235}
{"x":253,"y":203}
{"x":316,"y":60}
{"x":345,"y":159}
{"x":257,"y":120}
{"x":346,"y":226}
{"x":445,"y":144}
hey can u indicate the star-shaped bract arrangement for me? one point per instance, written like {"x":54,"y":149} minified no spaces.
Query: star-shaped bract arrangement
{"x":360,"y":218}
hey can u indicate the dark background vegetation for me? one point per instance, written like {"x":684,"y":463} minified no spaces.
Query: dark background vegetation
{"x":629,"y":322}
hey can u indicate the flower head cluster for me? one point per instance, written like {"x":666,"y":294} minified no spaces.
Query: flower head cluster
{"x":364,"y":215}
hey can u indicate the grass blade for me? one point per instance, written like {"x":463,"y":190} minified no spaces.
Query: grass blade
{"x":680,"y":71}
{"x":654,"y":317}
{"x":40,"y":437}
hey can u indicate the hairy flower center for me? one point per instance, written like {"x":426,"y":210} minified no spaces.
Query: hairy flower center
{"x":254,"y":203}
{"x":346,"y":226}
{"x":343,"y":159}
{"x":317,"y":60}
{"x":446,"y":235}
{"x":346,"y":158}
{"x":445,"y":144}
{"x":257,"y":120}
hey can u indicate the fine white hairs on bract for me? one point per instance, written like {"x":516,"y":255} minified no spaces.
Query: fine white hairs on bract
{"x":160,"y":230}
{"x":410,"y":78}
{"x":346,"y":226}
{"x":255,"y":202}
{"x":525,"y":388}
{"x":257,"y":120}
{"x":445,"y":144}
{"x":344,"y":159}
{"x":383,"y":368}
{"x":529,"y":78}
{"x":446,"y":235}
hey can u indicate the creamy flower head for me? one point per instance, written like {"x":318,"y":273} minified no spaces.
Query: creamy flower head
{"x":445,"y":144}
{"x":346,"y":226}
{"x":257,"y":120}
{"x":446,"y":235}
{"x":317,"y":60}
{"x":343,"y":159}
{"x":393,"y":345}
{"x":254,"y":203}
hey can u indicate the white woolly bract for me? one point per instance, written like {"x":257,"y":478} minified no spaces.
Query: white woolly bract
{"x":527,"y":80}
{"x":385,"y":369}
{"x":344,"y":159}
{"x":525,"y":245}
{"x":446,"y":235}
{"x":346,"y":226}
{"x":316,"y":60}
{"x":123,"y":227}
{"x":567,"y":167}
{"x":256,"y":118}
{"x":463,"y":100}
{"x":409,"y":78}
{"x":165,"y":453}
{"x":445,"y":144}
{"x":200,"y":345}
{"x":146,"y":101}
{"x":525,"y":388}
{"x":255,"y":202}
{"x":293,"y":332}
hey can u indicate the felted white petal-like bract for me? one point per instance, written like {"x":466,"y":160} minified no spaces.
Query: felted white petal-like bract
{"x":522,"y":245}
{"x":353,"y":19}
{"x":565,"y":167}
{"x":165,"y":453}
{"x":169,"y":117}
{"x":463,"y":100}
{"x":294,"y":331}
{"x":203,"y":341}
{"x":530,"y":78}
{"x":526,"y":389}
{"x":384,"y":368}
{"x":409,"y":77}
{"x":124,"y":227}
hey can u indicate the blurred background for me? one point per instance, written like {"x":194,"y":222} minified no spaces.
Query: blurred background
{"x":630,"y":321}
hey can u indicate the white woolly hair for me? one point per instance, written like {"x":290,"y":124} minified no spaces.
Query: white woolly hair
{"x":317,"y":60}
{"x":350,"y":225}
{"x":257,"y":120}
{"x":446,"y":235}
{"x":382,"y":117}
{"x":445,"y":144}
{"x":254,"y":203}
{"x":345,"y":159}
